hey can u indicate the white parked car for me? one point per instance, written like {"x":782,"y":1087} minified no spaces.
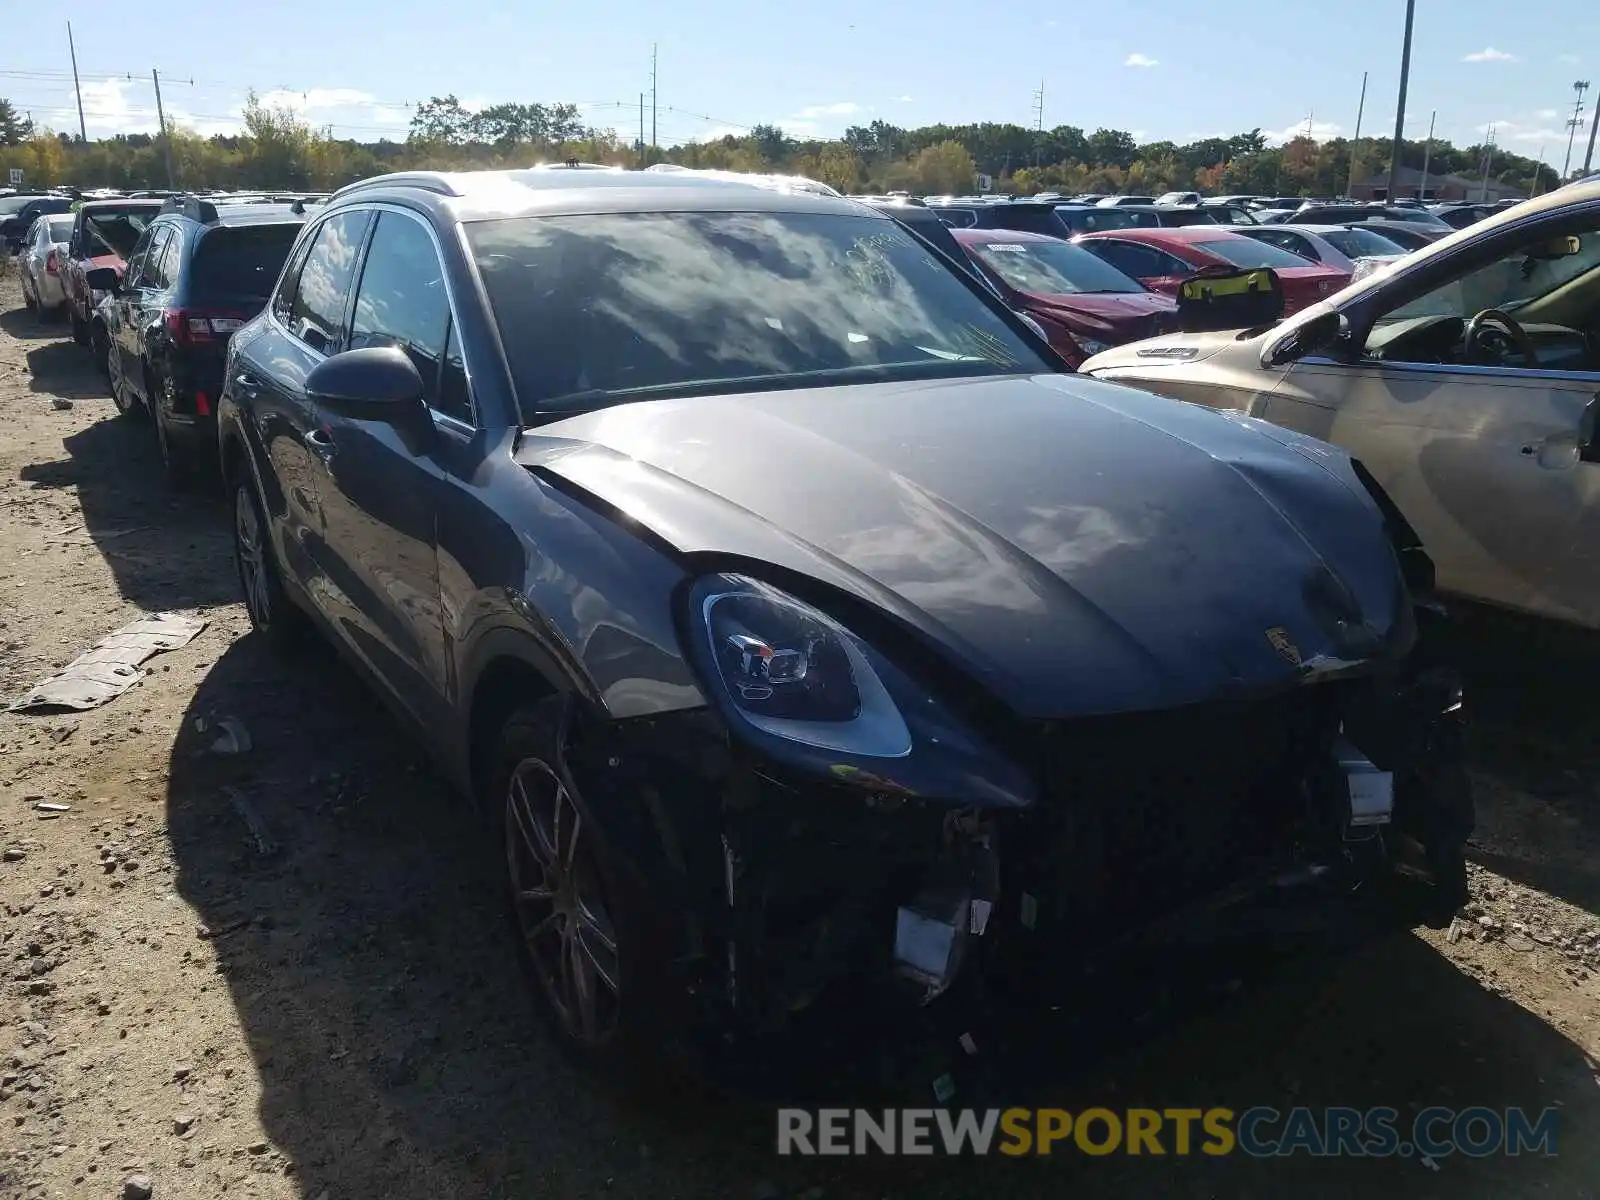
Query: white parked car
{"x":39,"y":262}
{"x":1465,"y":377}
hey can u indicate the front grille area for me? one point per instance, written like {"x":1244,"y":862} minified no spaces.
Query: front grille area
{"x":1144,"y":812}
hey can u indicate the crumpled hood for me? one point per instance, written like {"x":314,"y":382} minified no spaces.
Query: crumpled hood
{"x":1077,"y":546}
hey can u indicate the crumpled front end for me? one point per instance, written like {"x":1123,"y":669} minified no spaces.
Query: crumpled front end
{"x":778,"y":892}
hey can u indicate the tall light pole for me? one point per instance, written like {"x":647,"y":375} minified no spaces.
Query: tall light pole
{"x":1400,"y":104}
{"x":1427,"y":155}
{"x":1355,"y":142}
{"x":1580,"y":87}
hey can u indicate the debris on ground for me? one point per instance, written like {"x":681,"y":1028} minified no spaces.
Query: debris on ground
{"x":111,"y":667}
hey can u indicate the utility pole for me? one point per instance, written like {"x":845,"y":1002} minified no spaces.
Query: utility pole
{"x":1038,"y":125}
{"x":83,"y":130}
{"x":1538,"y":172}
{"x":1488,"y":164}
{"x":1588,"y":155}
{"x":166,"y":138}
{"x":1361,"y":108}
{"x":1573,"y":122}
{"x":639,"y":145}
{"x":1427,"y":153}
{"x":652,"y":99}
{"x":1400,"y":104}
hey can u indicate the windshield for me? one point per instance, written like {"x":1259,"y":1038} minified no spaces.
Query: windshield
{"x":60,"y":228}
{"x":114,"y":231}
{"x":1361,"y":243}
{"x":1053,"y":268}
{"x":1247,"y":252}
{"x":601,"y":308}
{"x":1508,"y":283}
{"x":1416,"y":216}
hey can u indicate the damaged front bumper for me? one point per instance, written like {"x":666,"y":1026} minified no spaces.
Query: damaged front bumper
{"x":1342,"y":806}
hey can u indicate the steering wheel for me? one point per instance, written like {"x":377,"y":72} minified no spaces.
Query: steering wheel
{"x":1482,"y":329}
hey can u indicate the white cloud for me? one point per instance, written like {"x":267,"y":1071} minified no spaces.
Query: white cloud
{"x":714,"y":133}
{"x":1489,"y":54}
{"x":1321,"y":131}
{"x":1139,"y":60}
{"x":902,"y":99}
{"x":1547,"y":114}
{"x":842,"y":109}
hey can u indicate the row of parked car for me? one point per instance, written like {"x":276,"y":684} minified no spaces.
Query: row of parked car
{"x":815,"y":639}
{"x":153,"y":286}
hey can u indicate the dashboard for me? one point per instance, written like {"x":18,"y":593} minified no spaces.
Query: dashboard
{"x":1442,"y":339}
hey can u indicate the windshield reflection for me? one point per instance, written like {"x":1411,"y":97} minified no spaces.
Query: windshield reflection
{"x":627,"y":305}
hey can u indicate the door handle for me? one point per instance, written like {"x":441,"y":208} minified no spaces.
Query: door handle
{"x":247,"y":384}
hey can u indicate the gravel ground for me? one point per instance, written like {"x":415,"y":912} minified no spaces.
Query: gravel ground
{"x":280,"y":973}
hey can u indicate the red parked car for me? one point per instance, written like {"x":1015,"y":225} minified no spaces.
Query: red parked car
{"x":1161,"y":259}
{"x":103,"y":232}
{"x":1084,"y":304}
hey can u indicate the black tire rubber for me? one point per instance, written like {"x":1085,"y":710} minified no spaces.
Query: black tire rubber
{"x":128,"y":408}
{"x":635,"y":1049}
{"x":28,"y":302}
{"x":284,"y":625}
{"x":80,"y":327}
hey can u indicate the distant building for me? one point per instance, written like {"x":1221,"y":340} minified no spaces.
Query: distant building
{"x":1440,"y":187}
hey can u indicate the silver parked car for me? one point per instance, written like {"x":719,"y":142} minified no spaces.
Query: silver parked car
{"x":44,"y":251}
{"x":1466,"y":377}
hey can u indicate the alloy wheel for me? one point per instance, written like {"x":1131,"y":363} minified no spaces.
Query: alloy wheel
{"x":559,"y":900}
{"x":119,"y":392}
{"x":250,"y":551}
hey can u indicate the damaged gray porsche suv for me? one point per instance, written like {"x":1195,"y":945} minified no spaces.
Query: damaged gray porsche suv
{"x":801,"y":629}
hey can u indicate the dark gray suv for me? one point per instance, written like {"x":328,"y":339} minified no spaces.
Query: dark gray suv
{"x":807,"y":637}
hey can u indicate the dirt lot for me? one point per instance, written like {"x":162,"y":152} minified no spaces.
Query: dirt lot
{"x":338,"y":1014}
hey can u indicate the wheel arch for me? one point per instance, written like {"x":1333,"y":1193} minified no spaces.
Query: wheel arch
{"x":510,"y":669}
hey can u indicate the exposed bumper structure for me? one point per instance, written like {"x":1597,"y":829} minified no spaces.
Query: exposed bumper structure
{"x":1341,"y":805}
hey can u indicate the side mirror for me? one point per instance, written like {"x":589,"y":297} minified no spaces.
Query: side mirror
{"x":377,"y":383}
{"x":103,"y":279}
{"x":1218,"y":299}
{"x":1320,"y":333}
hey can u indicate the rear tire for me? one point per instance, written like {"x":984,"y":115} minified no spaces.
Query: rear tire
{"x":127,"y":406}
{"x":273,"y":615}
{"x":28,"y":302}
{"x":80,"y":327}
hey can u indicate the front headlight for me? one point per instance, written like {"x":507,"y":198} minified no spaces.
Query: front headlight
{"x":794,"y":672}
{"x":1091,"y":346}
{"x":804,"y":689}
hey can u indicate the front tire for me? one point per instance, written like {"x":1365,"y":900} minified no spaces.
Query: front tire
{"x":272,"y":614}
{"x":575,"y":921}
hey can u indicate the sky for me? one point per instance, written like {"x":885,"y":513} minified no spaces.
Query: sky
{"x":1159,"y":68}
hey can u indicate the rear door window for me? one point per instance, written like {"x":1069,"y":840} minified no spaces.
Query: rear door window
{"x":150,"y":265}
{"x":1131,"y":258}
{"x":316,"y":315}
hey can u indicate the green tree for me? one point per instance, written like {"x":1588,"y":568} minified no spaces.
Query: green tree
{"x":441,"y":119}
{"x":946,"y":167}
{"x":14,"y":128}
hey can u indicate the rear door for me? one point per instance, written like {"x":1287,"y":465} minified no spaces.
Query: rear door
{"x":379,"y":495}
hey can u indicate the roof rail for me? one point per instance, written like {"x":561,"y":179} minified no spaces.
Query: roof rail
{"x":192,"y":207}
{"x":428,"y":181}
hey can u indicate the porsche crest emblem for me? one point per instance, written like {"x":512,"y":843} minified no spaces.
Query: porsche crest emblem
{"x":1278,"y":638}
